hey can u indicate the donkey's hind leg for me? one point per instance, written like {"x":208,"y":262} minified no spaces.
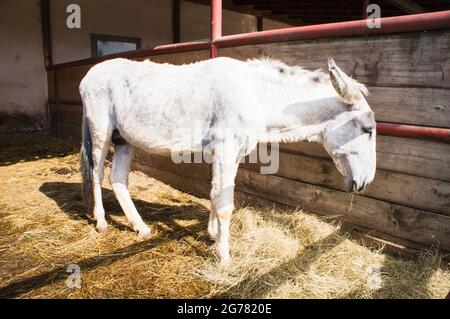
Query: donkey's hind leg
{"x":119,"y":181}
{"x":99,"y":151}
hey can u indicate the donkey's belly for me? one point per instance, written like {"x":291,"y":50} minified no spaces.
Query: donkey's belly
{"x":156,"y":139}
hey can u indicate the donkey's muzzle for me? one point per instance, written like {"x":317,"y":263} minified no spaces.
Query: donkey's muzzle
{"x":358,"y":188}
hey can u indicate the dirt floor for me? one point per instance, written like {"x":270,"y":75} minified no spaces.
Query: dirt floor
{"x":44,"y":228}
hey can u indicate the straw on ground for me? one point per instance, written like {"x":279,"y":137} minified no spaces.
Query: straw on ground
{"x":276,"y":253}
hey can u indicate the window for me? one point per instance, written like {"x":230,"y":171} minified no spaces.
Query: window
{"x":109,"y":44}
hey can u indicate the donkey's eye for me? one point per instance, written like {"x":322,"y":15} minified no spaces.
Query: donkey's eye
{"x":368,"y":130}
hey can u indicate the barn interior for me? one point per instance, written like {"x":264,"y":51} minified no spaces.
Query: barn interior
{"x":294,"y":234}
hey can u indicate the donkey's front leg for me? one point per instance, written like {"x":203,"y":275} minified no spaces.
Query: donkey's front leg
{"x":213,"y":224}
{"x":224,"y":169}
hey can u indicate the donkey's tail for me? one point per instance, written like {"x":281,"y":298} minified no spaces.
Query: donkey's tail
{"x":87,"y":190}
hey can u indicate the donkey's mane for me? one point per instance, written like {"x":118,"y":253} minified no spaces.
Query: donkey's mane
{"x":276,"y":69}
{"x":280,"y":70}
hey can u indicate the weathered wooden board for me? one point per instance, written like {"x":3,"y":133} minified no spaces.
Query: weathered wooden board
{"x":396,"y":220}
{"x":391,"y":244}
{"x":306,"y":148}
{"x":70,"y":114}
{"x":180,"y":58}
{"x":200,"y":172}
{"x":408,"y":190}
{"x":403,"y":155}
{"x":420,"y":106}
{"x":415,"y":59}
{"x":68,"y":82}
{"x":413,"y":156}
{"x":192,"y":186}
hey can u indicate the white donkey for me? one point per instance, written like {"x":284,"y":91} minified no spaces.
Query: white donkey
{"x":227,"y":105}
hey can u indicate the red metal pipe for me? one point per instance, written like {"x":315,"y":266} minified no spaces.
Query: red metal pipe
{"x":409,"y":23}
{"x":216,"y":26}
{"x":216,"y":19}
{"x":413,"y":131}
{"x":158,"y":50}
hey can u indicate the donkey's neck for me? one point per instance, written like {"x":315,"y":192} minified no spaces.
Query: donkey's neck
{"x":297,"y":114}
{"x":294,"y":133}
{"x":297,"y":103}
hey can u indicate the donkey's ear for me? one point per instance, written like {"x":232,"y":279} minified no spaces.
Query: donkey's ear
{"x":350,"y":90}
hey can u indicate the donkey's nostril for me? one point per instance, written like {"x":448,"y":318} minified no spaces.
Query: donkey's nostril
{"x":355,"y":186}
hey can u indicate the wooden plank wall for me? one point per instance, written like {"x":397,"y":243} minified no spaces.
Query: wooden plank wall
{"x":408,"y":76}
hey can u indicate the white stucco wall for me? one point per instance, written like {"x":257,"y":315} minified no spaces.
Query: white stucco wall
{"x":150,"y":20}
{"x":23,"y":80}
{"x":196,"y":24}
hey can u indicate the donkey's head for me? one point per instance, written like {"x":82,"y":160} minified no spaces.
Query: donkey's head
{"x":350,"y":137}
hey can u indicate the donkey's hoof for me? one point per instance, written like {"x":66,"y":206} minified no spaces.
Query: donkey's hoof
{"x":145,"y":233}
{"x":213,"y":229}
{"x":101,"y":228}
{"x":224,"y":257}
{"x":225,"y":262}
{"x":212,"y":233}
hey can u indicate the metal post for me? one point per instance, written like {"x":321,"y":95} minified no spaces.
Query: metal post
{"x":216,"y":26}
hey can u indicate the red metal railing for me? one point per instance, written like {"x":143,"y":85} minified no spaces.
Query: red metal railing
{"x":415,"y":22}
{"x":414,"y":131}
{"x":158,"y":50}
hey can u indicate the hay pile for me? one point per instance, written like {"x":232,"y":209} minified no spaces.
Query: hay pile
{"x":44,"y":228}
{"x":294,"y":255}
